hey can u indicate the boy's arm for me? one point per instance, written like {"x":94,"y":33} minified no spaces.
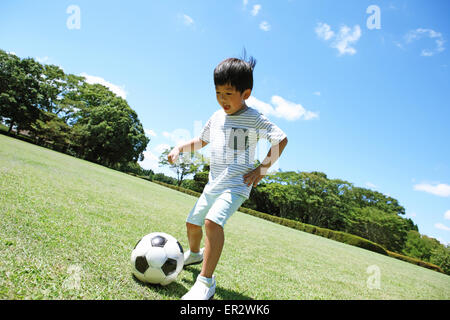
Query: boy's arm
{"x":190,"y":146}
{"x":255,"y":176}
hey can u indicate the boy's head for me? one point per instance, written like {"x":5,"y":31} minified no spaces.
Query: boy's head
{"x":233,"y":79}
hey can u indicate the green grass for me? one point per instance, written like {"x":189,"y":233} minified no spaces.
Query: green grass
{"x":60,"y":214}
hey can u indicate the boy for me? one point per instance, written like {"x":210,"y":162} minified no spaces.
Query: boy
{"x":233,"y":132}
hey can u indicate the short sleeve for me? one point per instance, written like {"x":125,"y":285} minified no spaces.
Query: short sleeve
{"x":268,"y":130}
{"x":205,"y":133}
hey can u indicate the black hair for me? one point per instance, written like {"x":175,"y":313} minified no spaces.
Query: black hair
{"x":236,"y":72}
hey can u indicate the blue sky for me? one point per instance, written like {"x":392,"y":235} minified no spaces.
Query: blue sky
{"x":364,"y":102}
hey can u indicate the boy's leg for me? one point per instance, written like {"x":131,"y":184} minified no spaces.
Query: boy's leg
{"x":194,"y":223}
{"x":222,"y":208}
{"x":215,"y":221}
{"x":194,"y":234}
{"x":213,"y":247}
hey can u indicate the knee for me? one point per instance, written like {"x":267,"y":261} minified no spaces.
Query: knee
{"x":193,"y":227}
{"x":212,"y":226}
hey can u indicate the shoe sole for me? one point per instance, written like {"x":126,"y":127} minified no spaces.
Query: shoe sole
{"x":193,"y":263}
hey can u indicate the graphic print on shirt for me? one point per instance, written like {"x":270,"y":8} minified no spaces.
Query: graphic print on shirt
{"x":238,"y":143}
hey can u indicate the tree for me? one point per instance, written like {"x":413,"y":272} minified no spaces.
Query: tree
{"x":307,"y":197}
{"x":52,"y":86}
{"x":52,"y":130}
{"x":440,"y":256}
{"x":384,"y":228}
{"x":186,"y":164}
{"x":201,"y":178}
{"x":106,"y":129}
{"x":20,"y":92}
{"x":419,"y":246}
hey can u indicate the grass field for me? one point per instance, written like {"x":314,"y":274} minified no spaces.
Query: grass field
{"x":68,"y":227}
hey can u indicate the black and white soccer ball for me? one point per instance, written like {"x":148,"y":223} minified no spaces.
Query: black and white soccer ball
{"x":157,"y":258}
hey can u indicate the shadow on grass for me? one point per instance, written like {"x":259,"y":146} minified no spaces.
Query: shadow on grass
{"x":224,"y":294}
{"x":173,"y":289}
{"x":177,"y":290}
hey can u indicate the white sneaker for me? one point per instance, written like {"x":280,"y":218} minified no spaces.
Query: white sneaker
{"x":201,"y":291}
{"x":193,"y":258}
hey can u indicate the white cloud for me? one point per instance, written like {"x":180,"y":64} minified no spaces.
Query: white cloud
{"x":324,"y":31}
{"x":441,"y":226}
{"x":342,"y":40}
{"x":150,"y":132}
{"x":160,"y":148}
{"x":256,"y":9}
{"x":412,"y":215}
{"x":447,"y":215}
{"x":346,"y":37}
{"x":317,"y":93}
{"x":419,"y":33}
{"x":442,"y":241}
{"x":150,"y":161}
{"x":442,"y":190}
{"x":118,"y":90}
{"x":42,"y":60}
{"x":281,"y":108}
{"x":178,"y":136}
{"x":245,"y":3}
{"x":187,"y":20}
{"x":371,"y":185}
{"x":265,"y":26}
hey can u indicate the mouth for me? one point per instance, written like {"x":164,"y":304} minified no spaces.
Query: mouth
{"x":226,"y":107}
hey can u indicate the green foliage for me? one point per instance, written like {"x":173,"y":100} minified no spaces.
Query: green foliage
{"x":384,"y":228}
{"x":441,"y":256}
{"x":67,"y":114}
{"x":427,"y":249}
{"x":200,"y":180}
{"x":161,"y":177}
{"x":188,"y":163}
{"x":20,"y":95}
{"x":416,"y":261}
{"x":108,"y":129}
{"x":323,"y":232}
{"x":129,"y":167}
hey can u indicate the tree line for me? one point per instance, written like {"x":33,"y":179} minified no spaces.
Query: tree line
{"x":336,"y":204}
{"x":64,"y":112}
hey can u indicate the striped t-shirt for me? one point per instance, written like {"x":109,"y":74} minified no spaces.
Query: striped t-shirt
{"x":233,"y":139}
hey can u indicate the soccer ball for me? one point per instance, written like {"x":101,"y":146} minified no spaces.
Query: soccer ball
{"x":157,"y":258}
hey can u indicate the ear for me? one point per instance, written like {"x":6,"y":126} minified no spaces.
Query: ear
{"x":246,"y":94}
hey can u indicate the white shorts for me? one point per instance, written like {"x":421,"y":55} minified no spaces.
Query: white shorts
{"x":215,"y":207}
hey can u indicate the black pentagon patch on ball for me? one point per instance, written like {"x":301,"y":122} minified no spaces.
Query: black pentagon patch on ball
{"x":169,"y":266}
{"x":141,"y":264}
{"x":137,"y":243}
{"x":158,"y":241}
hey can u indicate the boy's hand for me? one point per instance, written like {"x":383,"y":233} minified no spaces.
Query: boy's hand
{"x":255,"y":176}
{"x":173,"y":155}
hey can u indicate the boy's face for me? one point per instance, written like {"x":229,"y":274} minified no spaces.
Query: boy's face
{"x":230,"y":99}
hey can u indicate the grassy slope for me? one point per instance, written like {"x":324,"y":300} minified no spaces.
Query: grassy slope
{"x":60,"y":214}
